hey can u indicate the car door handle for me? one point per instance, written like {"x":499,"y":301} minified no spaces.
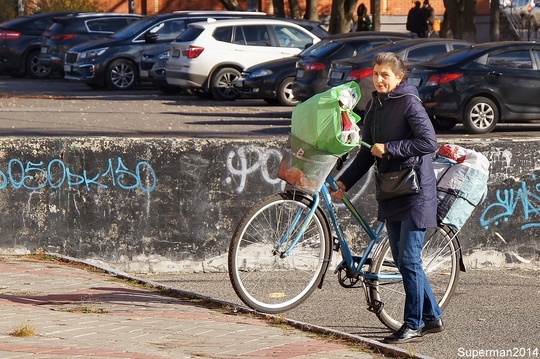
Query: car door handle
{"x":495,"y":73}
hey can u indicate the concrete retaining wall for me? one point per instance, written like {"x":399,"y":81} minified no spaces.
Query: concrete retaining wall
{"x":154,"y":205}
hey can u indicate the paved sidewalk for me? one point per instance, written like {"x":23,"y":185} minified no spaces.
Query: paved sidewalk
{"x":76,"y":312}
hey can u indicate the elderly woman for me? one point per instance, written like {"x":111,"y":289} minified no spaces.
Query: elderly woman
{"x":402,"y":136}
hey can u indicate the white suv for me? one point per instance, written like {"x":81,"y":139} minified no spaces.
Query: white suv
{"x":210,"y":56}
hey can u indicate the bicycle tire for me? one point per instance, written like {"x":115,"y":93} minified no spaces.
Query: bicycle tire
{"x":441,"y":262}
{"x":263,"y":279}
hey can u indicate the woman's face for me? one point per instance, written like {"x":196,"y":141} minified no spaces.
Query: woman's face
{"x":384,"y":79}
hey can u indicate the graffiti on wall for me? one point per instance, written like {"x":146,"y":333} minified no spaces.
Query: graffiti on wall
{"x":249,"y":160}
{"x":507,"y":203}
{"x":56,"y":174}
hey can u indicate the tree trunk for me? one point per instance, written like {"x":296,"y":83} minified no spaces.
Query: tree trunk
{"x":311,"y":10}
{"x":342,"y":16}
{"x":376,"y":15}
{"x":231,"y":5}
{"x":294,"y":8}
{"x":459,"y":19}
{"x":494,"y":17}
{"x":279,"y":8}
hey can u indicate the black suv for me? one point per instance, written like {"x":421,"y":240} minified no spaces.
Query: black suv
{"x":114,"y":62}
{"x":20,"y":41}
{"x":70,"y":30}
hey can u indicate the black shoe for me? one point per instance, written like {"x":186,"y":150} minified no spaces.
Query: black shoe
{"x":404,"y":335}
{"x":432,"y":326}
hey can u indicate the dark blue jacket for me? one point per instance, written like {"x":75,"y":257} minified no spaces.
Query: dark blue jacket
{"x":399,"y":120}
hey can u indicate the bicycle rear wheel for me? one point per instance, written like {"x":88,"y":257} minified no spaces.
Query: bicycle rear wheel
{"x":441,"y":261}
{"x":262,"y":276}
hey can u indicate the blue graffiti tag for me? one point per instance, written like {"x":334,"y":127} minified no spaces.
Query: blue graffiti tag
{"x":507,"y":202}
{"x":55,"y":174}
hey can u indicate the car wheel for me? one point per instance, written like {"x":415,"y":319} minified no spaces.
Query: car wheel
{"x":222,"y":85}
{"x":284,"y":92}
{"x":480,"y":116}
{"x":34,"y":69}
{"x":121,"y":75}
{"x":444,"y":123}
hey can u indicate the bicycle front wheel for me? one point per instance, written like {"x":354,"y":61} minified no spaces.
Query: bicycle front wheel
{"x":440,"y":257}
{"x":265,"y":277}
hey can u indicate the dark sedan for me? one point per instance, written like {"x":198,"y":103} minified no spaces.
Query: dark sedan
{"x":272,"y":80}
{"x":20,"y":42}
{"x":312,"y":71}
{"x":360,"y":68}
{"x":481,"y":85}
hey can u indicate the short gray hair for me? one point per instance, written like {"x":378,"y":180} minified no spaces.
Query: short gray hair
{"x":391,"y":60}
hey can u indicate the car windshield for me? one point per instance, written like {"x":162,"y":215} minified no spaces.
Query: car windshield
{"x":134,"y":28}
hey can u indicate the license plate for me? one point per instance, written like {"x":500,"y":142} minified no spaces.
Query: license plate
{"x":415,"y":81}
{"x":175,"y":53}
{"x":67,"y":68}
{"x":239,"y":83}
{"x":144,"y":73}
{"x":300,"y":74}
{"x":43,"y":50}
{"x":336,"y":75}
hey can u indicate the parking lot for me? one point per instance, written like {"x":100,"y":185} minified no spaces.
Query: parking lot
{"x":33,"y":107}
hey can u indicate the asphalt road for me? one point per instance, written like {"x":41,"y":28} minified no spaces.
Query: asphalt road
{"x":493,"y":313}
{"x":55,"y":107}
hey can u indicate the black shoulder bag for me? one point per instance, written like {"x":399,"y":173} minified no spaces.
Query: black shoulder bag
{"x":391,"y":185}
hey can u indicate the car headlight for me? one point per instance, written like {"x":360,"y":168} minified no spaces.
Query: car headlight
{"x":164,"y":55}
{"x":262,"y":72}
{"x":92,"y":53}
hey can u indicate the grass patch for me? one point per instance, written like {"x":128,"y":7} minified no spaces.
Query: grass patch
{"x":25,"y":330}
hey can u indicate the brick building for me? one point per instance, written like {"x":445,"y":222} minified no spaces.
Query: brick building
{"x":388,"y":7}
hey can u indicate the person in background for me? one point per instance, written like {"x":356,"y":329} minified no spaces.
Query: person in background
{"x":416,"y":20}
{"x":429,"y":16}
{"x":402,"y":135}
{"x":363,"y":22}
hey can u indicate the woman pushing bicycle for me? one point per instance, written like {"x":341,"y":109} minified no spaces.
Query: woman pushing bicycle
{"x":402,"y":140}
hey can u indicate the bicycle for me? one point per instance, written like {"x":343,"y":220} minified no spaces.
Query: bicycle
{"x":282,"y":248}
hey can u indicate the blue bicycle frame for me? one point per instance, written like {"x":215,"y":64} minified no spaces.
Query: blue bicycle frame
{"x":354,"y":264}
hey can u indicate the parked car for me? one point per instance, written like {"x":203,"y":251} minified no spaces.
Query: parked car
{"x":360,"y":68}
{"x":20,"y":41}
{"x":114,"y":62}
{"x":153,"y":61}
{"x":312,"y":70}
{"x":481,"y":85}
{"x":67,"y":31}
{"x":211,"y":56}
{"x":272,"y":80}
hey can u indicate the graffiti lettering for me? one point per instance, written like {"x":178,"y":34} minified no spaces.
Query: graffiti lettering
{"x":248,"y":160}
{"x":55,"y":174}
{"x":507,"y":203}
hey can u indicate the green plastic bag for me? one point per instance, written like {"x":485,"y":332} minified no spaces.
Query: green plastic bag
{"x":318,"y":122}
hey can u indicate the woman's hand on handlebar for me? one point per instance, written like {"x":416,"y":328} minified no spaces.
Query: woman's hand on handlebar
{"x":339,"y":193}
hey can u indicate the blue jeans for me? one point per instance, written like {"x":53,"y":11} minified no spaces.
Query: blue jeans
{"x":406,"y":241}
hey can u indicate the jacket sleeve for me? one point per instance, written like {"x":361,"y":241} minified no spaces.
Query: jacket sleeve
{"x":423,"y":140}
